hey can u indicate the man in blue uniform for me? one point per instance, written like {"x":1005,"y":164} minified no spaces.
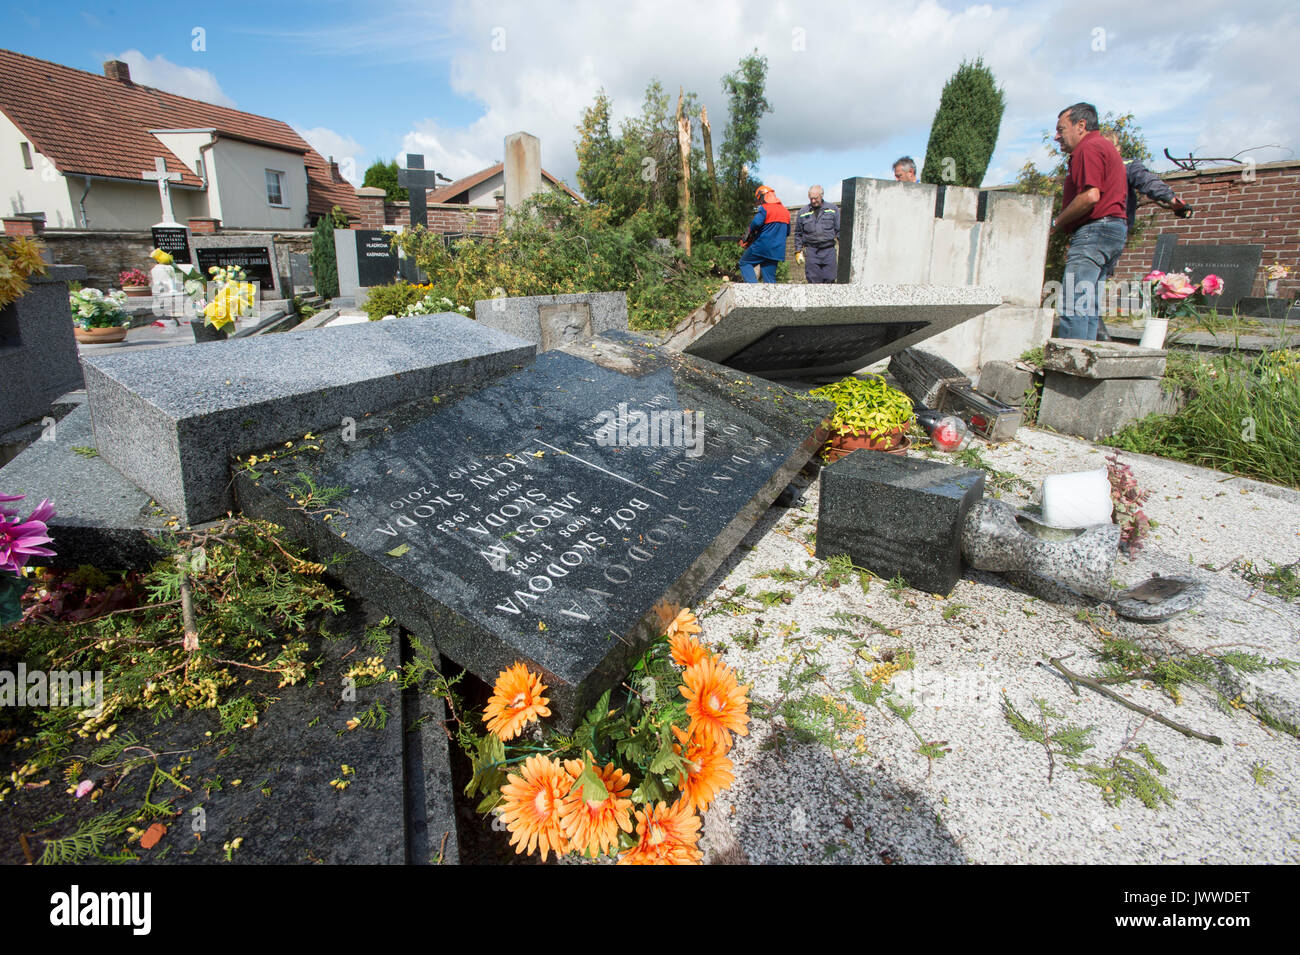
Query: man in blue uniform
{"x":816,"y":230}
{"x":764,"y":242}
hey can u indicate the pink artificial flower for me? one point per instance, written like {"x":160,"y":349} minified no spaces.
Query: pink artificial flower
{"x":1175,"y":287}
{"x":21,"y":540}
{"x":1211,"y":285}
{"x":84,"y":787}
{"x":1154,"y":275}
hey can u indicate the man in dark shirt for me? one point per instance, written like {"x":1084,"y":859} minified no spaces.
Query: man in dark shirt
{"x":816,"y":230}
{"x":1094,"y":213}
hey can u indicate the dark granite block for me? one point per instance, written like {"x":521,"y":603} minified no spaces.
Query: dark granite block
{"x":102,"y":518}
{"x":897,"y":515}
{"x":170,"y":418}
{"x":38,"y":353}
{"x":513,"y":523}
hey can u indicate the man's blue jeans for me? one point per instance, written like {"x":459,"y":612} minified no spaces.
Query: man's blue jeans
{"x":1094,"y":247}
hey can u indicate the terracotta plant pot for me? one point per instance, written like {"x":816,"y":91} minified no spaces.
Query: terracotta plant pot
{"x":99,"y":336}
{"x":893,"y":442}
{"x":138,"y":291}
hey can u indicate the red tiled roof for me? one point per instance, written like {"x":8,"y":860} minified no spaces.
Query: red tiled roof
{"x":448,"y":193}
{"x":87,"y":124}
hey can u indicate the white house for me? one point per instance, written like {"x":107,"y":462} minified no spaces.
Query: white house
{"x":77,"y":147}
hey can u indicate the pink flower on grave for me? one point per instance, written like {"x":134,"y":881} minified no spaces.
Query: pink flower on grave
{"x":20,"y":540}
{"x":1155,"y":275}
{"x":84,"y":787}
{"x":1211,"y":285}
{"x":1175,"y":287}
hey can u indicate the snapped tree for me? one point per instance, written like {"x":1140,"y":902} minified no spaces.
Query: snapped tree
{"x":965,"y":128}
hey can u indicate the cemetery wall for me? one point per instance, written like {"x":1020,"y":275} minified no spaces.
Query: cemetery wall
{"x":1230,"y":210}
{"x":376,"y":213}
{"x":104,"y":253}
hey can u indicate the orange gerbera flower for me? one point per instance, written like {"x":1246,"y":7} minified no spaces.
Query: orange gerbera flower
{"x":687,"y":651}
{"x":715,"y":703}
{"x":667,"y":836}
{"x":592,"y":825}
{"x":708,"y":771}
{"x":515,"y":702}
{"x":531,"y":807}
{"x":684,"y":623}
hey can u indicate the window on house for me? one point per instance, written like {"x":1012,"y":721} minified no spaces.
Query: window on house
{"x":275,"y":188}
{"x":27,"y":155}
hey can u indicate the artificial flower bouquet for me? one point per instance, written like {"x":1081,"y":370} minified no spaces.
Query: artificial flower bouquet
{"x":19,"y":541}
{"x":91,"y":308}
{"x":631,"y":780}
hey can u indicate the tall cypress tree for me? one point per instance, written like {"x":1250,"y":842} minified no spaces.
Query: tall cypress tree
{"x":965,"y":127}
{"x":324,"y":264}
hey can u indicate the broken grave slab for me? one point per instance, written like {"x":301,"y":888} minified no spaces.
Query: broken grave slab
{"x":549,"y":321}
{"x":812,"y":331}
{"x":1095,"y":408}
{"x":1085,"y":359}
{"x":897,"y":515}
{"x":169,"y":419}
{"x":535,"y":518}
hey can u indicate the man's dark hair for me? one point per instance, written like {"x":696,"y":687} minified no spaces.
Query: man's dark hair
{"x":906,"y":162}
{"x":1082,"y":111}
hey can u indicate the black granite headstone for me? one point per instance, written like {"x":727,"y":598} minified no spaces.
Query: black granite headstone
{"x":1235,"y":264}
{"x":377,"y":263}
{"x":532,"y":520}
{"x":255,"y":260}
{"x":1276,"y":309}
{"x":300,"y":271}
{"x":897,"y":515}
{"x":174,"y":240}
{"x":799,"y":346}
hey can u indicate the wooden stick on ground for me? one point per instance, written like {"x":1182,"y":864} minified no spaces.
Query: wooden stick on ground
{"x":1092,"y":684}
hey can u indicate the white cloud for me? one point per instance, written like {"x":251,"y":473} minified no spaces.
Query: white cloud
{"x":346,"y":151}
{"x":162,"y":73}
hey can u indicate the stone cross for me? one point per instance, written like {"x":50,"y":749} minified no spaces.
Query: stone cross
{"x":160,"y":173}
{"x":417,"y":179}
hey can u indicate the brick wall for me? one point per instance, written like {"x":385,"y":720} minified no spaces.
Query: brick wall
{"x":1230,"y":210}
{"x":105,"y":254}
{"x":445,"y":217}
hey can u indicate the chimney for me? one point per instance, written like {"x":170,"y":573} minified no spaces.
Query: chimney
{"x":335,"y":175}
{"x":117,"y":70}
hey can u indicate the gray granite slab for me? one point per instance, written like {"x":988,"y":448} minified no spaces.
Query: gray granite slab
{"x":101,"y":518}
{"x":808,"y":331}
{"x":550,"y":321}
{"x":521,"y":521}
{"x":1005,"y":381}
{"x":1085,"y":359}
{"x":169,"y":419}
{"x":897,"y":515}
{"x":38,"y":352}
{"x":1096,"y":408}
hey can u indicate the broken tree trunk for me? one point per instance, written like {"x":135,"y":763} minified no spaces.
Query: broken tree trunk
{"x":684,"y":180}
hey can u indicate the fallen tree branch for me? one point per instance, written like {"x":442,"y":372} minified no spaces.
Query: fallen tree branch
{"x":1075,"y":679}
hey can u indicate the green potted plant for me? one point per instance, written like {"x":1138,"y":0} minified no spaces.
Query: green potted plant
{"x":868,"y":414}
{"x":134,"y":283}
{"x":20,"y":259}
{"x":99,"y":318}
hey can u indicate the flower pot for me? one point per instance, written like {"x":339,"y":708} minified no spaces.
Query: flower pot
{"x":1270,"y":288}
{"x":99,"y":336}
{"x":138,"y":291}
{"x":203,"y":332}
{"x":893,"y":442}
{"x":1153,"y":333}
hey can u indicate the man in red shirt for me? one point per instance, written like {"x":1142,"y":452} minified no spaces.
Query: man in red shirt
{"x":1095,"y":215}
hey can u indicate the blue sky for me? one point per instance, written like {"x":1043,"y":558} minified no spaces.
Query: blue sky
{"x":853,"y":85}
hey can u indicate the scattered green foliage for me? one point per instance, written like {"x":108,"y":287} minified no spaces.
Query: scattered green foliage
{"x":840,"y":569}
{"x":1283,"y":580}
{"x":1127,"y":776}
{"x":1260,"y":773}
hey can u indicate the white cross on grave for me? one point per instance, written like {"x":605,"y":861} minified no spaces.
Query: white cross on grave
{"x":164,"y":178}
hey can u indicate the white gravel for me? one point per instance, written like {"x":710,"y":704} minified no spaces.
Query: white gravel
{"x":873,"y":798}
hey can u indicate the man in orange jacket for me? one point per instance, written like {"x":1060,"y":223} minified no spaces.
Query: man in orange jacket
{"x":764,"y":242}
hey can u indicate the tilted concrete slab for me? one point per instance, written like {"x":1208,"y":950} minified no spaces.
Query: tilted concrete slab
{"x":806,"y":331}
